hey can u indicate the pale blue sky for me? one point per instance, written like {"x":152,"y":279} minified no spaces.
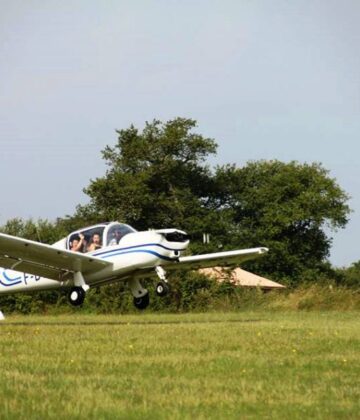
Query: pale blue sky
{"x":267,"y":79}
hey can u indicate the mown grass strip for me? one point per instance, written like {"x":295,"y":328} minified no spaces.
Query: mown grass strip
{"x":211,"y":365}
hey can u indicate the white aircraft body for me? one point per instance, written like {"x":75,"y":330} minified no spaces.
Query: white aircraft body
{"x":123,"y":254}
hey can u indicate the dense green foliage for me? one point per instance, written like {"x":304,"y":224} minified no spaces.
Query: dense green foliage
{"x":159,"y":177}
{"x":261,"y":364}
{"x":288,"y":207}
{"x":155,"y":178}
{"x":349,"y":276}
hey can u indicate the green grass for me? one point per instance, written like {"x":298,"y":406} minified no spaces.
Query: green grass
{"x":234,"y":365}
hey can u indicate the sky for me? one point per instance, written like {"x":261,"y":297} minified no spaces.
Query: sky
{"x":266,"y":80}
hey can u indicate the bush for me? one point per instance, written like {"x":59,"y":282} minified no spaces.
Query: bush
{"x":192,"y":292}
{"x":350,"y":276}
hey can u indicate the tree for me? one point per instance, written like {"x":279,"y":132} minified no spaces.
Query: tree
{"x":159,"y":178}
{"x":289,"y":207}
{"x":156,"y":178}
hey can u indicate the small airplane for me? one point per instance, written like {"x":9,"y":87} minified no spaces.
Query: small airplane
{"x":105,"y":253}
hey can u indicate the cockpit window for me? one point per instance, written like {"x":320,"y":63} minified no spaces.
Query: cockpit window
{"x":89,"y":239}
{"x":117,"y":232}
{"x":96,"y":237}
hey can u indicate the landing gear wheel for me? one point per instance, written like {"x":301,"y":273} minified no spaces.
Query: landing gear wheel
{"x":142,"y":302}
{"x":162,"y":289}
{"x":76,"y":296}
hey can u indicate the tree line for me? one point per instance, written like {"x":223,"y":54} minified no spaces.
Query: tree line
{"x":160,"y":177}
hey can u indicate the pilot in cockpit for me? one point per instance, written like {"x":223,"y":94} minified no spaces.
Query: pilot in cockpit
{"x":116,"y":239}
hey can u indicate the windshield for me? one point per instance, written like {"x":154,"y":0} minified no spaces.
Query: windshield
{"x":117,"y":232}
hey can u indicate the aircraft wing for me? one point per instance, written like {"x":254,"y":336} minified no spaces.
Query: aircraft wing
{"x":224,"y":259}
{"x":44,"y":260}
{"x":194,"y":262}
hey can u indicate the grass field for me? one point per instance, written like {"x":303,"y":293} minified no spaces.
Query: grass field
{"x":235,"y":365}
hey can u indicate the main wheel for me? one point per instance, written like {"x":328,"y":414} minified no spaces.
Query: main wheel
{"x":76,"y":296}
{"x":162,"y":289}
{"x":142,"y":302}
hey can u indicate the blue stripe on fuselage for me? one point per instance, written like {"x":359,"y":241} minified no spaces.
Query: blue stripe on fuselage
{"x":133,"y":247}
{"x":11,"y":282}
{"x":147,"y":251}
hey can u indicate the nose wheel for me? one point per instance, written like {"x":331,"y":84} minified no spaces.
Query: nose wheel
{"x":162,"y":289}
{"x":76,"y":296}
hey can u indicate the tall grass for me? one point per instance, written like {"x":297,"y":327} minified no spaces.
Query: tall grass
{"x":305,"y":297}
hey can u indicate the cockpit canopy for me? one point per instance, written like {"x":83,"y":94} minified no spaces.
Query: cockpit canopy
{"x":110,"y":235}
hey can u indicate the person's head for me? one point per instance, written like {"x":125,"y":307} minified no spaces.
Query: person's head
{"x":117,"y":233}
{"x":75,"y":241}
{"x":96,"y":239}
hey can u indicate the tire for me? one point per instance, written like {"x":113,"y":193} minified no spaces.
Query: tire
{"x":76,"y":296}
{"x":142,"y":302}
{"x":162,"y":289}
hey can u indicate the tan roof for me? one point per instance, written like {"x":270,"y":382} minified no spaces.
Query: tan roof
{"x":241,"y":278}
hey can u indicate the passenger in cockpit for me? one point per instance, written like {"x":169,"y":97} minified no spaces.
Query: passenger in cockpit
{"x":77,"y":244}
{"x":95,"y":243}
